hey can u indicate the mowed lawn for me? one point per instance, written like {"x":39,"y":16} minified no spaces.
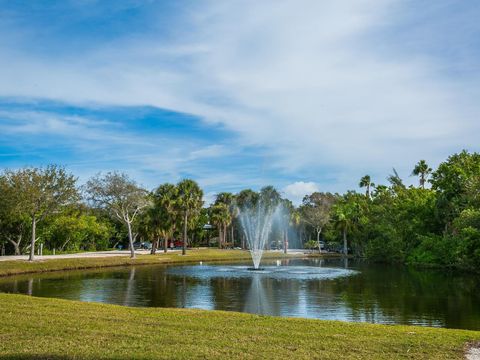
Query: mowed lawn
{"x":41,"y":328}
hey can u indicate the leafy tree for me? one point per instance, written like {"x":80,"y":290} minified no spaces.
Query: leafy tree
{"x":316,"y":211}
{"x":454,"y":182}
{"x":39,"y":192}
{"x":75,"y":230}
{"x":189,"y":204}
{"x":366,"y":182}
{"x":422,"y":170}
{"x":467,"y":233}
{"x":121,"y":196}
{"x":14,"y":224}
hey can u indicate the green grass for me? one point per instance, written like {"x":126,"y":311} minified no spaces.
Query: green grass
{"x":42,"y":328}
{"x":16,"y":267}
{"x":39,"y":328}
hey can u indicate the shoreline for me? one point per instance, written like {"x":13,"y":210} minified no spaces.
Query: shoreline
{"x":79,"y":262}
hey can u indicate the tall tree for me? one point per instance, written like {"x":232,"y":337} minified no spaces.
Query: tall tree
{"x":165,"y":199}
{"x":189,"y":204}
{"x":38,"y":192}
{"x":422,"y":170}
{"x":454,"y":181}
{"x":396,"y":180}
{"x":121,"y":196}
{"x":366,"y":182}
{"x":315,"y":211}
{"x":245,"y":199}
{"x":229,"y":200}
{"x":220,"y":217}
{"x":345,"y":213}
{"x":270,"y":197}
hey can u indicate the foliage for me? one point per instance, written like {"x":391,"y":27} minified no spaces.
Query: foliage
{"x":75,"y":230}
{"x":316,"y":211}
{"x":422,"y":170}
{"x":189,"y":203}
{"x":34,"y":194}
{"x":392,"y":222}
{"x":121,"y":196}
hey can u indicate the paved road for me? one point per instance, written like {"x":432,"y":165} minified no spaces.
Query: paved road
{"x":116,"y":253}
{"x":82,"y":255}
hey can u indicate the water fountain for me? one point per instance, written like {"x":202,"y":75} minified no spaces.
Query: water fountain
{"x":256,"y":220}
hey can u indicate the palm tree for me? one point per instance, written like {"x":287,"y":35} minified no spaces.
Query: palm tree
{"x":229,"y":200}
{"x":422,"y":170}
{"x":189,"y":204}
{"x":165,"y":210}
{"x":366,"y":182}
{"x":243,"y":200}
{"x":220,"y":216}
{"x":344,"y":217}
{"x":396,"y":180}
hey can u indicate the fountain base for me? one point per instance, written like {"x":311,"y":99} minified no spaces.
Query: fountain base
{"x":255,"y":269}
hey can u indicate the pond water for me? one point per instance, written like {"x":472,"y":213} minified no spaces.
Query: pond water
{"x":334,"y":289}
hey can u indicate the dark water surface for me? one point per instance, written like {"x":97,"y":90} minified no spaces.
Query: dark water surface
{"x":313,"y":288}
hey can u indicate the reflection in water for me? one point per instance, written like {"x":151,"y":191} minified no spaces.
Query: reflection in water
{"x":257,"y":302}
{"x":373,"y":293}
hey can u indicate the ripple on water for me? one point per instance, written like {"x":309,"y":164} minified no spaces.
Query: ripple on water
{"x":275,"y":272}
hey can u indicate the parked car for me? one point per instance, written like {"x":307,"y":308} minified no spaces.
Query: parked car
{"x":142,"y":245}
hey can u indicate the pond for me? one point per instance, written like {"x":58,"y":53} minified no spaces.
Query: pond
{"x":333,"y":289}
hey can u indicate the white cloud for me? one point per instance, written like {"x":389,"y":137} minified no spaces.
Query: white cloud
{"x":305,"y":80}
{"x":297,"y":190}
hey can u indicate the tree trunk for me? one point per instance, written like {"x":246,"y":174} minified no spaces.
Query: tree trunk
{"x":233,"y":238}
{"x":16,"y":245}
{"x":345,"y":247}
{"x":220,"y":237}
{"x":130,"y":240}
{"x":318,"y":240}
{"x":165,"y":244}
{"x":184,"y":234}
{"x":64,"y":244}
{"x":154,"y":246}
{"x":224,"y":233}
{"x":32,"y":243}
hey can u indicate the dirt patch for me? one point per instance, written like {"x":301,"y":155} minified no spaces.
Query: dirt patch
{"x":472,"y":351}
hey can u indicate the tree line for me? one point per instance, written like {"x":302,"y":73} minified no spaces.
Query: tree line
{"x":436,"y":222}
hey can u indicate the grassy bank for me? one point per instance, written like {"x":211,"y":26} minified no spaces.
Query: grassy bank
{"x":16,"y":267}
{"x":41,"y":328}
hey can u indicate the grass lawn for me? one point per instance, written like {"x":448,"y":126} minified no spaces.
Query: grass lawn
{"x":42,"y":328}
{"x":16,"y":267}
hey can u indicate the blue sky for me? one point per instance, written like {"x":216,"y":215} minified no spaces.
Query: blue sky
{"x":305,"y":95}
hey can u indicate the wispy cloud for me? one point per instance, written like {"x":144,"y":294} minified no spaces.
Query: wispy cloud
{"x":327,"y":90}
